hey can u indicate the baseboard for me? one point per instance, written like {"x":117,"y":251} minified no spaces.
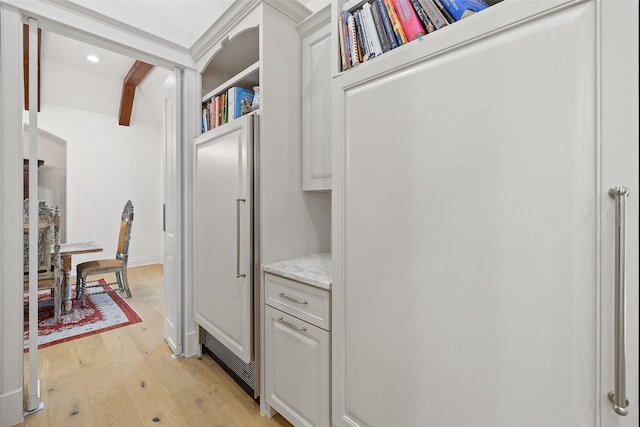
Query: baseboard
{"x":145,"y":260}
{"x":11,"y":408}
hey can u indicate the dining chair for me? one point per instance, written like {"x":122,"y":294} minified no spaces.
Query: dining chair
{"x":117,"y":265}
{"x":49,"y":265}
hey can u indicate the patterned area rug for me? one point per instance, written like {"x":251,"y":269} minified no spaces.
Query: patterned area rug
{"x":101,"y":313}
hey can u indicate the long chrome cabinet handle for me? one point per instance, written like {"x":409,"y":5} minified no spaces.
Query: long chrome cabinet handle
{"x":287,"y":297}
{"x":292,"y":326}
{"x":618,"y":397}
{"x":238,"y":275}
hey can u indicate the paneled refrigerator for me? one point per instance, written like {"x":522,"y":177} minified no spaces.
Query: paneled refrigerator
{"x":226,"y":245}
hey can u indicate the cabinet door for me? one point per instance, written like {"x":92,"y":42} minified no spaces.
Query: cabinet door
{"x":316,"y":109}
{"x":223,"y":234}
{"x":296,"y":369}
{"x":466,"y":274}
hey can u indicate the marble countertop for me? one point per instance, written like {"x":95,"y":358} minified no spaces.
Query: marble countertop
{"x":313,"y":270}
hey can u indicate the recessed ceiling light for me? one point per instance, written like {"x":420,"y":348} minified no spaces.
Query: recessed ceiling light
{"x":93,"y":58}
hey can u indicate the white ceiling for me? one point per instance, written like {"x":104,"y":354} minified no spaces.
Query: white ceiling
{"x":180,"y":21}
{"x":70,"y":80}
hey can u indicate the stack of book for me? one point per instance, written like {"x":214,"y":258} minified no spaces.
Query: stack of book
{"x":382,"y":25}
{"x":227,"y":106}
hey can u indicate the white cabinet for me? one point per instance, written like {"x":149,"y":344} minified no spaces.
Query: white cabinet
{"x":254,"y":43}
{"x":296,"y":353}
{"x":470,"y":225}
{"x":315,"y":32}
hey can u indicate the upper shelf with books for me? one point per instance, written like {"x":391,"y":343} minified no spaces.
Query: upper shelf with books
{"x":236,"y":59}
{"x":368,"y":29}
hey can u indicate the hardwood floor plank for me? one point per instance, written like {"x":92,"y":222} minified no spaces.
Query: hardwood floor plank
{"x":109,"y":399}
{"x":201,"y":409}
{"x":67,"y":401}
{"x":98,"y":380}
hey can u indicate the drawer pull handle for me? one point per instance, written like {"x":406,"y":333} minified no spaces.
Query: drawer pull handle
{"x":284,"y":322}
{"x":287,"y":297}
{"x":238,"y":274}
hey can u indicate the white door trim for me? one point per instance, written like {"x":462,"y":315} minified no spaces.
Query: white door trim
{"x":73,"y":21}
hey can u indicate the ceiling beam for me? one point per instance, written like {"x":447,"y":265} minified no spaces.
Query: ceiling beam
{"x":134,"y":77}
{"x":25,"y":63}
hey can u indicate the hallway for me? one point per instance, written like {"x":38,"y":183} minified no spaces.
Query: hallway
{"x":126,"y":377}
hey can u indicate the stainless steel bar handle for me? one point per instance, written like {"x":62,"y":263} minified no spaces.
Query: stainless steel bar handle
{"x":618,"y":397}
{"x":287,"y":297}
{"x":292,"y":326}
{"x":238,"y":274}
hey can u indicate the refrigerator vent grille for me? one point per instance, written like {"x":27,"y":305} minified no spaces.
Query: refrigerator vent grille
{"x":243,"y":371}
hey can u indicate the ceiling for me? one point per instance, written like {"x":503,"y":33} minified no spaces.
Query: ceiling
{"x":70,"y":80}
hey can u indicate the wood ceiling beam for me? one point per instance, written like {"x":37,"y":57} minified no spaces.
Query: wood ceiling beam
{"x":134,"y":77}
{"x":25,"y":63}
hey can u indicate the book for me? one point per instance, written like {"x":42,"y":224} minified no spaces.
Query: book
{"x":422,"y":16}
{"x":347,"y":38}
{"x":239,"y":101}
{"x":408,"y":19}
{"x":363,"y":41}
{"x":343,"y":53}
{"x":353,"y":41}
{"x":445,"y":12}
{"x":395,"y":23}
{"x":370,"y":29}
{"x":382,"y":34}
{"x":463,"y":8}
{"x":382,"y":11}
{"x":433,"y":13}
{"x":205,"y":119}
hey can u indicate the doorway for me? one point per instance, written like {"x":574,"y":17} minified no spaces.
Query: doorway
{"x":105,"y":164}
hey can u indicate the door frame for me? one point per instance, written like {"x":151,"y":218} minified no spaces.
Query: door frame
{"x":76,"y":22}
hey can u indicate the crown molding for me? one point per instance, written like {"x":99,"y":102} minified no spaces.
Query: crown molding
{"x":318,"y":19}
{"x":76,"y":21}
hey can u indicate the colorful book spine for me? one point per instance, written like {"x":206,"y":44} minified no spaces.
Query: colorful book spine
{"x":408,"y":19}
{"x":423,"y":16}
{"x":395,"y":23}
{"x":382,"y":34}
{"x":382,"y":9}
{"x":353,"y":40}
{"x":433,"y":13}
{"x":244,"y":98}
{"x":239,"y":102}
{"x":463,"y":8}
{"x":445,"y":12}
{"x":347,"y":37}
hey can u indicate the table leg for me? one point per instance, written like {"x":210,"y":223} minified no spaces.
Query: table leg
{"x":66,"y":285}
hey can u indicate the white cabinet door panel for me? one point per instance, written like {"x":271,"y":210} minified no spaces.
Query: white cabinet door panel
{"x":465,"y":287}
{"x":297,"y":369}
{"x":224,"y":248}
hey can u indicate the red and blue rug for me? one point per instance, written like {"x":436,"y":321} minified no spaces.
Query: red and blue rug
{"x":102,"y":312}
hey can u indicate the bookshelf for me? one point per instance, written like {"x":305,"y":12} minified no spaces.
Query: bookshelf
{"x":425,"y":18}
{"x":235,"y":64}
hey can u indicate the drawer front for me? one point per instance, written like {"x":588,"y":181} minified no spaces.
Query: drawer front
{"x":306,"y":302}
{"x":297,"y":369}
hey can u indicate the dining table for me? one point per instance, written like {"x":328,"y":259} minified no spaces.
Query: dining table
{"x":67,"y":250}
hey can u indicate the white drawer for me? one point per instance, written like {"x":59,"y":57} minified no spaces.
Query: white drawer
{"x":305,"y":302}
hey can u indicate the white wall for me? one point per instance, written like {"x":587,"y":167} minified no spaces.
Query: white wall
{"x":107,"y":165}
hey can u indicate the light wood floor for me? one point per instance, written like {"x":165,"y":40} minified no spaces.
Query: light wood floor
{"x":126,"y":377}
